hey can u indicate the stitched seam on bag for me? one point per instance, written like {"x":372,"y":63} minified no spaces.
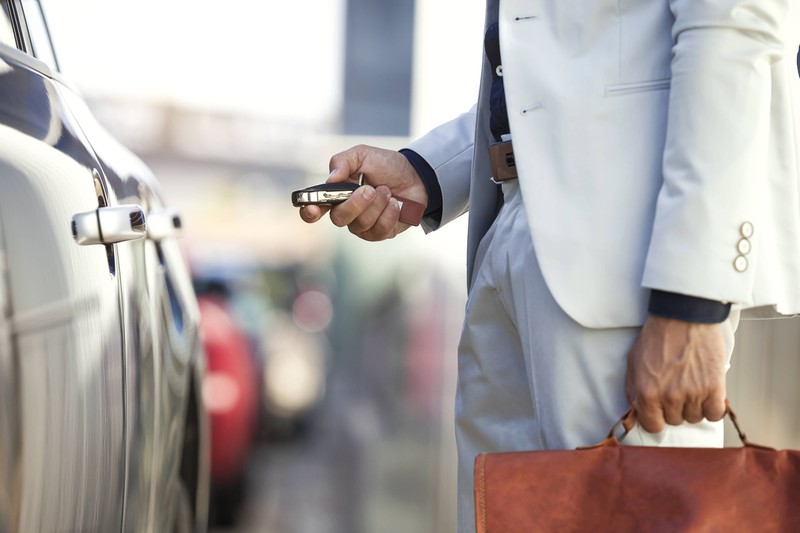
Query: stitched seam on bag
{"x":482,"y":460}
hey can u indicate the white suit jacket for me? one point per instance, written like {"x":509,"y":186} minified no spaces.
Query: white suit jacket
{"x":657,"y":144}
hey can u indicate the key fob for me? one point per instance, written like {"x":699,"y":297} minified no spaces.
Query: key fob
{"x":411,"y":212}
{"x":324,"y":194}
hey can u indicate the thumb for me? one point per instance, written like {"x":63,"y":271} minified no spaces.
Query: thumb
{"x":339,"y":174}
{"x":347,"y":165}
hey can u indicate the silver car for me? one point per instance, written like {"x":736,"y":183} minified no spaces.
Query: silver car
{"x":102,"y":426}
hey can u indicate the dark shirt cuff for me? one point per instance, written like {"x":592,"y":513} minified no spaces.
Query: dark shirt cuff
{"x":687,"y":308}
{"x":431,"y":182}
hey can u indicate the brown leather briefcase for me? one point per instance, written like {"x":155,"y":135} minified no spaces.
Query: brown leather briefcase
{"x":609,"y":487}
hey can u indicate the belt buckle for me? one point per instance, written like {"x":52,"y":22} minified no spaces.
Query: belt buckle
{"x":504,"y":167}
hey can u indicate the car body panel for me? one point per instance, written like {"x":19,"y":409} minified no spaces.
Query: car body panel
{"x":99,"y":349}
{"x":159,"y":302}
{"x":64,"y":317}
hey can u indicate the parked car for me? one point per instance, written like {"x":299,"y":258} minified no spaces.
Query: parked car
{"x":101,"y":423}
{"x":285,"y":312}
{"x":230,"y":394}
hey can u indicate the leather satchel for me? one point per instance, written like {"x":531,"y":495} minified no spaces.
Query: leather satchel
{"x":610,"y":487}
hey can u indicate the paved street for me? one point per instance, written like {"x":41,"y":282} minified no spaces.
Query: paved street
{"x":378,"y":455}
{"x":348,"y":473}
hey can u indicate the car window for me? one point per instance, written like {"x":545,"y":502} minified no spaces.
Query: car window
{"x":37,"y":29}
{"x":6,"y":28}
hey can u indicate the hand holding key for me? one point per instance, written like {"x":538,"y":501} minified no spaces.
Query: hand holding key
{"x":373,"y":211}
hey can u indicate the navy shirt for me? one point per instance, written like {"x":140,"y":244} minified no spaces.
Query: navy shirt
{"x":498,"y":121}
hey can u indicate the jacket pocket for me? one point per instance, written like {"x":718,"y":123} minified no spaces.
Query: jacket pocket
{"x":622,"y":89}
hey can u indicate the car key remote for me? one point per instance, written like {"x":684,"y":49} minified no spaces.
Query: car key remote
{"x":330,"y":194}
{"x":324,"y":194}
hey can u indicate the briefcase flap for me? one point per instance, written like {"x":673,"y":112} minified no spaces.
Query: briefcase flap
{"x":625,"y":488}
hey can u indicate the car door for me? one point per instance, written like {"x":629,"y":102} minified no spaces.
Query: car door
{"x":63,"y":468}
{"x":163,"y":359}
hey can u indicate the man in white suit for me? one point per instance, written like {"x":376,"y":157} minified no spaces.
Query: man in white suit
{"x":657,"y":196}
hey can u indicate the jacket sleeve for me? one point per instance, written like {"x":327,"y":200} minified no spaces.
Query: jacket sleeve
{"x":448,"y":149}
{"x":726,"y":57}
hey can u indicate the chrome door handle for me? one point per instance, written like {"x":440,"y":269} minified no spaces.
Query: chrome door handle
{"x":109,"y":225}
{"x":163,"y":224}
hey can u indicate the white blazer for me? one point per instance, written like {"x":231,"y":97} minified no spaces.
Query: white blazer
{"x":657,"y":144}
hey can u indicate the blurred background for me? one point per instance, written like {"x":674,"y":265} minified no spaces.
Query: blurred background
{"x":331,"y":361}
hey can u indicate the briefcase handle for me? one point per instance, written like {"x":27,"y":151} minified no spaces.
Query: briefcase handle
{"x":628,"y":420}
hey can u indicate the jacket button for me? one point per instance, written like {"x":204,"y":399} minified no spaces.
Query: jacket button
{"x":740,"y":263}
{"x":744,"y":246}
{"x":746,"y":230}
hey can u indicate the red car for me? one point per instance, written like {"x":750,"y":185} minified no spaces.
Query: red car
{"x":230,"y":394}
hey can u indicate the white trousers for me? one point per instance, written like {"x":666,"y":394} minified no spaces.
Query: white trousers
{"x":531,"y":378}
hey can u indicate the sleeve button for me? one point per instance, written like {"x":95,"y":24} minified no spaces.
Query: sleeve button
{"x":744,"y":246}
{"x":746,"y":230}
{"x":740,"y":263}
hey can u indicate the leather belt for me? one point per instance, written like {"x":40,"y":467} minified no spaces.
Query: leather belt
{"x":501,"y":156}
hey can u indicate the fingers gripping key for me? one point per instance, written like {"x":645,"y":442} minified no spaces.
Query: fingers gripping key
{"x":330,"y":194}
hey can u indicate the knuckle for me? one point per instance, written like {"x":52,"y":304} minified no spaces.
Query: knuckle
{"x":673,"y":398}
{"x":693,"y":417}
{"x":673,"y":418}
{"x":648,"y":395}
{"x":714,"y":411}
{"x":338,"y":219}
{"x":337,"y":161}
{"x":358,"y":232}
{"x":383,"y":226}
{"x":650,"y":424}
{"x":361,"y":224}
{"x":356,"y":229}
